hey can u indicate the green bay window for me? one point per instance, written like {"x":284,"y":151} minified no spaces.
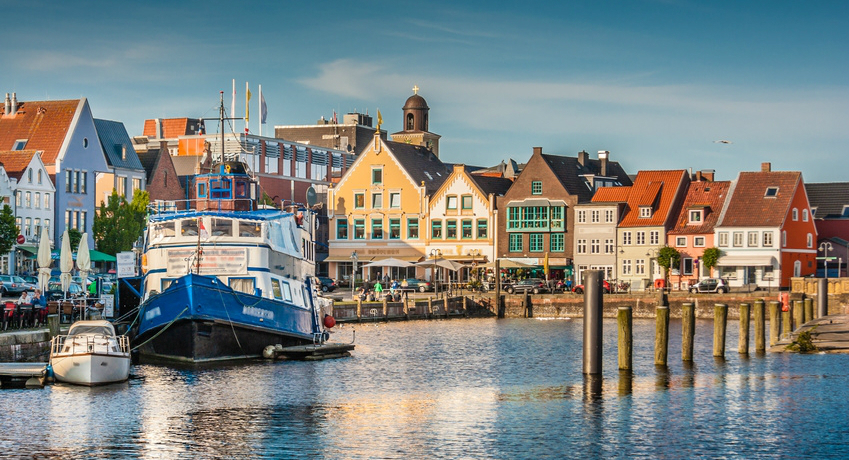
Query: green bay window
{"x":535,"y":218}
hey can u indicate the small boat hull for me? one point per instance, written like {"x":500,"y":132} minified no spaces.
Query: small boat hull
{"x":91,"y":368}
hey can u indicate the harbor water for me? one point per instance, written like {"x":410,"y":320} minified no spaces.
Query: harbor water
{"x":476,"y":388}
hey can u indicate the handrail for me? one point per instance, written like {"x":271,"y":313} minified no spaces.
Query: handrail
{"x":89,"y":344}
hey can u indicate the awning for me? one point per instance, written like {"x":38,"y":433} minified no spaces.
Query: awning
{"x":30,"y":249}
{"x":97,"y":256}
{"x":745,"y":261}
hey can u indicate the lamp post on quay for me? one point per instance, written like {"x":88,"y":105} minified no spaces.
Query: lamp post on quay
{"x":354,"y":259}
{"x":825,"y":246}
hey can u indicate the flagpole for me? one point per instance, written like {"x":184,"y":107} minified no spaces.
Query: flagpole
{"x":232,"y":103}
{"x":260,"y":111}
{"x":247,"y":106}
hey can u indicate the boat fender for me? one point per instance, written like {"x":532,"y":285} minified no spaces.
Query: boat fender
{"x":329,"y":321}
{"x":325,"y":336}
{"x":268,"y":352}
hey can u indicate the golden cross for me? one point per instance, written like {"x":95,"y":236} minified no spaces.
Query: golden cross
{"x":415,"y":89}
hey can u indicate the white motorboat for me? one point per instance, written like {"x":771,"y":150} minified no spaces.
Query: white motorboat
{"x":91,"y":354}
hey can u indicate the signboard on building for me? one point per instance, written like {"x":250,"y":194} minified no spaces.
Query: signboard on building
{"x":126,"y":264}
{"x":108,"y":305}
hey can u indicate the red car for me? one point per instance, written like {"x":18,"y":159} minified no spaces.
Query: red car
{"x":579,"y":289}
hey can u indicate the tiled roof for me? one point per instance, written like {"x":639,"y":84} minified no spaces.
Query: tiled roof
{"x":172,"y":127}
{"x":702,"y":194}
{"x":114,"y":139}
{"x":663,"y":186}
{"x":420,"y":163}
{"x":750,"y":207}
{"x":571,"y":174}
{"x":612,"y":194}
{"x":829,"y":198}
{"x":15,"y":162}
{"x":149,"y":161}
{"x":44,"y":124}
{"x":498,"y":186}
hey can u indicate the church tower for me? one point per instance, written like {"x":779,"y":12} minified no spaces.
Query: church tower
{"x":415,"y":123}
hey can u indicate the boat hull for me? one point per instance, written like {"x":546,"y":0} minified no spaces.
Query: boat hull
{"x":91,"y":368}
{"x":199,"y":319}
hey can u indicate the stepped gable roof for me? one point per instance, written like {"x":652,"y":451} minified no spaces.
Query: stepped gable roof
{"x":750,"y":206}
{"x":612,"y":194}
{"x":15,"y":162}
{"x":420,"y":163}
{"x":44,"y":124}
{"x":571,"y":174}
{"x":114,"y":139}
{"x":702,"y":195}
{"x":653,"y":188}
{"x":829,"y":198}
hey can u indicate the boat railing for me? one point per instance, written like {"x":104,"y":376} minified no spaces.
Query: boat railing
{"x":196,"y":204}
{"x":89,"y":344}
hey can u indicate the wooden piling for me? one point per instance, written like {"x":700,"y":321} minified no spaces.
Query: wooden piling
{"x":688,"y":330}
{"x":774,"y":325}
{"x":624,"y":320}
{"x":786,"y":327}
{"x":465,"y":307}
{"x":809,"y":309}
{"x":798,"y":314}
{"x":661,"y":337}
{"x":385,"y":307}
{"x":445,"y":305}
{"x":760,"y":326}
{"x":743,"y":341}
{"x":429,"y":307}
{"x":720,"y":319}
{"x":359,"y":309}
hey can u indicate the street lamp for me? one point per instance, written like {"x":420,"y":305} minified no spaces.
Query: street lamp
{"x":826,"y":246}
{"x":354,"y":259}
{"x":435,"y":254}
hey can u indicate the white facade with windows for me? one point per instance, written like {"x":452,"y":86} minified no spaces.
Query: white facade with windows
{"x":595,"y":240}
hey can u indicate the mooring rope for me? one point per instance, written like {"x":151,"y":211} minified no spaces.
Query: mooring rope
{"x":161,"y":330}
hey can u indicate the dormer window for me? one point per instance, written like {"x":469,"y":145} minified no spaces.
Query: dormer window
{"x":645,"y":211}
{"x":845,"y":212}
{"x":19,"y":144}
{"x":696,"y":216}
{"x":771,"y":192}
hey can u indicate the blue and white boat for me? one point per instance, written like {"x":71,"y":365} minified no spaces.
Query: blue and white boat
{"x":224,"y":279}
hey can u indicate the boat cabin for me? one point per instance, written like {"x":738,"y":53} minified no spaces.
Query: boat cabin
{"x":228,"y":187}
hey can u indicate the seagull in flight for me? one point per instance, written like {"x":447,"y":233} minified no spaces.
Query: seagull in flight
{"x":722,"y":141}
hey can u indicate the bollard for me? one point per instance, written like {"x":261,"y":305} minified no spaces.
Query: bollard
{"x":743,"y":341}
{"x":760,"y":327}
{"x":624,"y":320}
{"x":809,"y":309}
{"x":661,"y":336}
{"x":774,"y":325}
{"x":720,"y":318}
{"x":786,"y":326}
{"x":593,"y":308}
{"x":688,"y":330}
{"x":529,"y":313}
{"x":798,"y":314}
{"x":822,"y":297}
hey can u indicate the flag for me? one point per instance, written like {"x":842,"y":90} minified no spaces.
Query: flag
{"x":335,"y":121}
{"x":247,"y":103}
{"x":203,"y":233}
{"x":263,"y":109}
{"x":379,"y":119}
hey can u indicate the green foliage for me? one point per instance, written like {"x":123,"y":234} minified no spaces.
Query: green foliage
{"x":8,"y":229}
{"x":266,"y":200}
{"x":804,"y":342}
{"x":668,"y":257}
{"x":74,"y":237}
{"x":710,"y":257}
{"x":119,"y":224}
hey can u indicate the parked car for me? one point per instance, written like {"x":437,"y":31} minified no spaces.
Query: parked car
{"x":13,"y":285}
{"x":579,"y":289}
{"x":327,"y":284}
{"x":535,"y":285}
{"x":419,"y":285}
{"x":55,"y":292}
{"x":710,"y":285}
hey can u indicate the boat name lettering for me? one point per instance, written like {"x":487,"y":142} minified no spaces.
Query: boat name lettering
{"x":152,"y":313}
{"x":258,"y":312}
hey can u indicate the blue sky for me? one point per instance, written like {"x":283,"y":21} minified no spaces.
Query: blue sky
{"x":655,"y":82}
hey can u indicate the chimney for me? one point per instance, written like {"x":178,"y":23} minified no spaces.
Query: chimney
{"x":766,"y":167}
{"x":603,"y":159}
{"x":8,"y":109}
{"x":583,"y":156}
{"x":707,"y":174}
{"x":14,"y":104}
{"x":158,"y":124}
{"x":698,"y":177}
{"x":537,"y":150}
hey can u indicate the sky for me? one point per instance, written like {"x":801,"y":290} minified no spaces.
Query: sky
{"x":655,"y":82}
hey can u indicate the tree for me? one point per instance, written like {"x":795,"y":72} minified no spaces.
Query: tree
{"x":74,"y":237}
{"x":709,"y":258}
{"x":119,"y":224}
{"x":8,"y":230}
{"x":668,"y":257}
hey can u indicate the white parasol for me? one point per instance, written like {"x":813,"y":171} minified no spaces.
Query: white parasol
{"x":84,"y":259}
{"x":389,"y":262}
{"x":44,"y":260}
{"x":66,"y":263}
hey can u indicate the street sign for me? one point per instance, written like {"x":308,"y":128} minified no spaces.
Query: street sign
{"x":21,"y":239}
{"x":827,"y":258}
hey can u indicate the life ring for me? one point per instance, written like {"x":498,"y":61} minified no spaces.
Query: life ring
{"x":659,"y":283}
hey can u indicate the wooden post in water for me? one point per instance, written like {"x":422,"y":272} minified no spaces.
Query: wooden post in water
{"x":809,"y":309}
{"x":359,"y":309}
{"x":798,"y":314}
{"x":760,"y":326}
{"x":774,"y":325}
{"x":661,"y":336}
{"x":53,"y":325}
{"x":624,"y":320}
{"x":499,"y":305}
{"x":465,"y":306}
{"x":593,"y":309}
{"x":743,"y":341}
{"x":445,"y":305}
{"x":688,"y":330}
{"x":720,"y":319}
{"x":786,"y":327}
{"x":429,"y":307}
{"x":822,"y":297}
{"x":385,"y":307}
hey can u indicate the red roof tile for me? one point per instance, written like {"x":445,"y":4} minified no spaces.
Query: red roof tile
{"x":751,"y":207}
{"x":44,"y":124}
{"x":171,"y":128}
{"x":663,"y":186}
{"x":702,"y":194}
{"x":612,"y":194}
{"x":15,"y":162}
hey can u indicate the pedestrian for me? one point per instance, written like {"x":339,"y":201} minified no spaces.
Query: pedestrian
{"x":377,"y":290}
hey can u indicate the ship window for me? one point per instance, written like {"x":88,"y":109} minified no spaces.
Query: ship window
{"x":165,"y":229}
{"x":249,"y":229}
{"x":219,"y":189}
{"x":275,"y":289}
{"x":222,"y":227}
{"x":287,"y":291}
{"x":189,"y":227}
{"x":202,"y":190}
{"x":240,"y":189}
{"x":245,"y":285}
